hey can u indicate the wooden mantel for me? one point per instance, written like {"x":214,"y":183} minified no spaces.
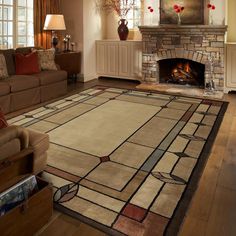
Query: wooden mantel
{"x":195,"y":29}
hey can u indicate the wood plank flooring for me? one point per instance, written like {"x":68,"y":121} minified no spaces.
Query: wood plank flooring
{"x":213,"y":208}
{"x":212,"y":211}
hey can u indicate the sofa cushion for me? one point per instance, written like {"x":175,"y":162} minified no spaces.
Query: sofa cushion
{"x":4,"y":88}
{"x":22,"y":82}
{"x":49,"y":77}
{"x":26,"y":64}
{"x":5,"y":101}
{"x":25,"y":98}
{"x":9,"y":56}
{"x":3,"y":67}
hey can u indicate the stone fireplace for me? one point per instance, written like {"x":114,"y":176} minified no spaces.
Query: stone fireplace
{"x":202,"y":44}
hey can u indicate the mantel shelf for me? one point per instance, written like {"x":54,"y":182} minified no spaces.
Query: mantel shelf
{"x":175,"y":27}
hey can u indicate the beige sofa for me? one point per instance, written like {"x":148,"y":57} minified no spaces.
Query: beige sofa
{"x":14,"y":139}
{"x":21,"y":91}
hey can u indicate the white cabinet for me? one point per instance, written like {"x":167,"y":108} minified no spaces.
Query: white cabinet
{"x":119,"y":59}
{"x":230,"y":81}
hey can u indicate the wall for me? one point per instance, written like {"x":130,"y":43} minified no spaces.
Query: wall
{"x":218,"y":14}
{"x":73,"y":14}
{"x":85,"y":25}
{"x":93,"y":30}
{"x":231,"y":19}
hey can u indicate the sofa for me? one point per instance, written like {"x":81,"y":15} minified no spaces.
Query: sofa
{"x":14,"y":139}
{"x":21,"y":91}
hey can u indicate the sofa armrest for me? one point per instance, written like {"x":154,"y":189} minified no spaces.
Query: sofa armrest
{"x":14,"y":132}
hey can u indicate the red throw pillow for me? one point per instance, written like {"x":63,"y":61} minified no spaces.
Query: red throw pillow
{"x":27,"y":64}
{"x":3,"y":122}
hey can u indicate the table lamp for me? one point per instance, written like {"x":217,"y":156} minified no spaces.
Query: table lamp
{"x":54,"y":22}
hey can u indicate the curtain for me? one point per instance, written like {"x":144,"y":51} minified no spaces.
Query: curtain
{"x":43,"y":38}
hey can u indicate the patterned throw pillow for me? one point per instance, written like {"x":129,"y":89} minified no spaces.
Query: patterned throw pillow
{"x":3,"y":67}
{"x":3,"y":122}
{"x":46,"y":59}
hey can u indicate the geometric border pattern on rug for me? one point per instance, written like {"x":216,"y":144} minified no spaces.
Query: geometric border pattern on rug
{"x":126,"y":161}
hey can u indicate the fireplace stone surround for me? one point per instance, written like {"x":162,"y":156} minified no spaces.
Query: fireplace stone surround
{"x":200,"y":43}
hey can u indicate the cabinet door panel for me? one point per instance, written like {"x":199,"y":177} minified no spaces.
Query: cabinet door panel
{"x":231,"y":66}
{"x":112,"y":59}
{"x":124,"y":59}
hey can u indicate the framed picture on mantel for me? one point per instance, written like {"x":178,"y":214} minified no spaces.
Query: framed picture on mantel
{"x":192,"y":12}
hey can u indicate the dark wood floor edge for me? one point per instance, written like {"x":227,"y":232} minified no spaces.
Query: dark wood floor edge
{"x":176,"y":221}
{"x":86,"y":220}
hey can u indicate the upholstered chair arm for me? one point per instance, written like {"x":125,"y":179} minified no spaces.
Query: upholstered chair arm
{"x":11,"y":132}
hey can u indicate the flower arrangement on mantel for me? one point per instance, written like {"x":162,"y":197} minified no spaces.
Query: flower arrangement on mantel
{"x":120,"y":7}
{"x":178,"y":9}
{"x":211,"y":7}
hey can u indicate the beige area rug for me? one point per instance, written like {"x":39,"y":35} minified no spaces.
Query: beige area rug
{"x":126,"y":162}
{"x":94,"y":129}
{"x":181,"y":90}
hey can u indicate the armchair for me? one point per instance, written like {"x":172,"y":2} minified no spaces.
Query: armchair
{"x":14,"y":139}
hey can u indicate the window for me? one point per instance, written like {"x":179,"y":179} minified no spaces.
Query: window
{"x":16,"y":23}
{"x":134,"y":15}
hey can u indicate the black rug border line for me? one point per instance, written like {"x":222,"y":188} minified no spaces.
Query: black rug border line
{"x":91,"y":223}
{"x":176,"y":220}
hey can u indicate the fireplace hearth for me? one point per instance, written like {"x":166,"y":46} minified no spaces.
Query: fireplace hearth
{"x":181,"y":71}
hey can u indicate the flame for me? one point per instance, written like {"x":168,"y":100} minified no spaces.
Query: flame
{"x":183,"y":66}
{"x":187,"y":67}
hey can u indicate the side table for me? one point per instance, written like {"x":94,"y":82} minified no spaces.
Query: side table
{"x":70,"y":62}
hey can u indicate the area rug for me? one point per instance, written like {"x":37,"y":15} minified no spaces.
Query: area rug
{"x":124,"y":161}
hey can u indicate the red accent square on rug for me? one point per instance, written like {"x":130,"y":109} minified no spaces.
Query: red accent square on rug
{"x":134,"y":212}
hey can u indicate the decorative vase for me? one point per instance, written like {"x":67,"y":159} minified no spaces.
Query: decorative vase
{"x":178,"y":19}
{"x":123,"y":30}
{"x":211,"y":20}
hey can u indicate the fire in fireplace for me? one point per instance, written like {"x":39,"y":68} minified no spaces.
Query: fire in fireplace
{"x":181,"y":71}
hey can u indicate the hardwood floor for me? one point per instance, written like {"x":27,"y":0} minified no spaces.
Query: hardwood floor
{"x":212,"y":211}
{"x":213,"y":207}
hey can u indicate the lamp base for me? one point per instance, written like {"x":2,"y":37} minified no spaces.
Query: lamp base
{"x":54,"y":41}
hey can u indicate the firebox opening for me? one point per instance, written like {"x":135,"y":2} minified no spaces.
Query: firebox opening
{"x":181,"y":71}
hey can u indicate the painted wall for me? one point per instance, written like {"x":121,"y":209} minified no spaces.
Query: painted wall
{"x":73,"y":14}
{"x":93,"y":26}
{"x":231,"y":19}
{"x":85,"y":25}
{"x":218,"y":14}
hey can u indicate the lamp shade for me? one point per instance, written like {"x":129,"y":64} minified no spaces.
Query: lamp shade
{"x":54,"y":22}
